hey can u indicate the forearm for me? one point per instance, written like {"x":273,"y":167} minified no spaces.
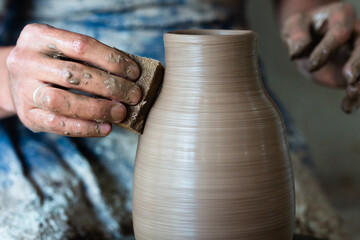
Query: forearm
{"x":7,"y":107}
{"x":286,"y":8}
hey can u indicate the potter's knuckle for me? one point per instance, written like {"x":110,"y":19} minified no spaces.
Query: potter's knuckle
{"x":17,"y":59}
{"x":40,"y":28}
{"x":81,"y":44}
{"x":28,"y":31}
{"x":34,"y":29}
{"x":51,"y":100}
{"x":11,"y":60}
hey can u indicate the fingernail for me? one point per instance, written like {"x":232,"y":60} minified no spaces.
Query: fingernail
{"x":134,"y":94}
{"x":346,"y":105}
{"x":117,"y":113}
{"x":132,"y":72}
{"x":103,"y":128}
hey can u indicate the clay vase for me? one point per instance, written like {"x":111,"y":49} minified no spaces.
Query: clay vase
{"x":213,"y":161}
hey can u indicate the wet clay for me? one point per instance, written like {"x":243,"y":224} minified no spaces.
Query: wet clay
{"x":52,"y":47}
{"x":150,"y":80}
{"x":74,"y":81}
{"x":111,"y":58}
{"x":213,"y":161}
{"x":87,"y":75}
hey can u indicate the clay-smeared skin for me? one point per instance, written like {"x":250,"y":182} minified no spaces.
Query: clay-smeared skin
{"x":338,"y":28}
{"x":44,"y":54}
{"x":213,"y":161}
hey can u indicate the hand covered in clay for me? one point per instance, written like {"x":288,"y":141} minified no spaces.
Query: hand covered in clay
{"x":47,"y":62}
{"x":326,"y":45}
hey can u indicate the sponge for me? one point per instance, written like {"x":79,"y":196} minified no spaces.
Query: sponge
{"x":150,"y":80}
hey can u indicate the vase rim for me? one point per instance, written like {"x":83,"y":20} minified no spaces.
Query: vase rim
{"x":204,"y":35}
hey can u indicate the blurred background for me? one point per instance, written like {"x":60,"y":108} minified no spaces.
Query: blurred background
{"x":333,"y":137}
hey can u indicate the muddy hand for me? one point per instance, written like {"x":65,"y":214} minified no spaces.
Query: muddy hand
{"x":46,"y":62}
{"x":322,"y":41}
{"x":351,"y":72}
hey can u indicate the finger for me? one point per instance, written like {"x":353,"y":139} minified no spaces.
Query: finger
{"x":50,"y":122}
{"x":68,"y":104}
{"x":349,"y":105}
{"x":85,"y":78}
{"x":340,"y":27}
{"x":296,"y":34}
{"x":329,"y":75}
{"x":351,"y":69}
{"x":80,"y":47}
{"x":333,"y":39}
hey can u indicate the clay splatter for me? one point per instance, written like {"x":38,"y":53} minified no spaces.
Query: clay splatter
{"x":68,"y":74}
{"x":62,"y":123}
{"x":110,"y":83}
{"x":113,"y":85}
{"x":120,"y":58}
{"x":87,"y":75}
{"x":57,"y":55}
{"x":74,"y":81}
{"x":111,"y":58}
{"x":51,"y":46}
{"x":66,"y":133}
{"x":128,"y":70}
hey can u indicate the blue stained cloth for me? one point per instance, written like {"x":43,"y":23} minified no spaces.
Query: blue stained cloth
{"x":55,"y":187}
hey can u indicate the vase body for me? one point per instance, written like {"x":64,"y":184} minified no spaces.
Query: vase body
{"x":213,"y":161}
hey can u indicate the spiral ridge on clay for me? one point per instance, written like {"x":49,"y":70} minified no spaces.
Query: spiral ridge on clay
{"x":213,"y":161}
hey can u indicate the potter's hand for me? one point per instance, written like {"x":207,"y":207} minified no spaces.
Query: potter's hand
{"x":326,"y":44}
{"x":46,"y":62}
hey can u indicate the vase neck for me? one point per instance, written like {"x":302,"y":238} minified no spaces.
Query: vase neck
{"x":216,"y":56}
